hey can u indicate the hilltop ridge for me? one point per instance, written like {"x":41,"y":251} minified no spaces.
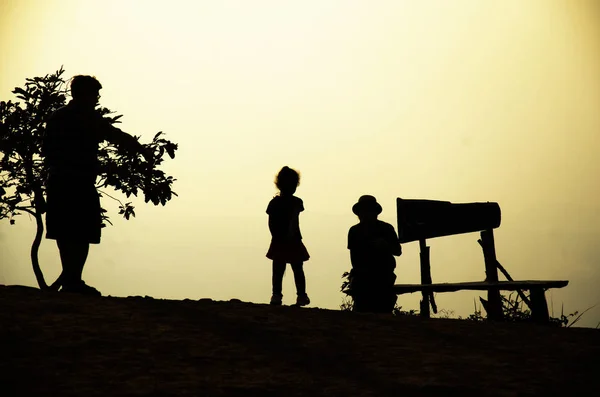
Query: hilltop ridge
{"x":62,"y":344}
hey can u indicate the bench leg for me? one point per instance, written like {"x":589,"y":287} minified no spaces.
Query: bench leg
{"x":424,"y":306}
{"x":539,"y":306}
{"x":428,"y":298}
{"x":494,"y":301}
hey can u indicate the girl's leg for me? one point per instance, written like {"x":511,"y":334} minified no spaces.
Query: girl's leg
{"x":299,"y":278}
{"x":278,"y":272}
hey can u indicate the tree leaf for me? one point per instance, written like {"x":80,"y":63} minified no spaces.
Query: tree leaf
{"x":21,"y":93}
{"x":171,"y":150}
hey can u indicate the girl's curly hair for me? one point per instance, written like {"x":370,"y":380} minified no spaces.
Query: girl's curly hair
{"x":287,"y":177}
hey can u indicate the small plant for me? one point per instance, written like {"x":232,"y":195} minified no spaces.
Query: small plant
{"x":444,"y":313}
{"x":515,"y":309}
{"x":399,"y":312}
{"x":476,"y":315}
{"x":347,"y":304}
{"x":347,"y":301}
{"x":570,"y":319}
{"x":347,"y":279}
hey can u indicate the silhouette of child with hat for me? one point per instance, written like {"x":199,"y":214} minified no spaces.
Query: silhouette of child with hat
{"x":373,"y":244}
{"x":286,"y":239}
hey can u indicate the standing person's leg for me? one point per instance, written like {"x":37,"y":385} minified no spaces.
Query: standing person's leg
{"x":73,"y":255}
{"x":74,"y":224}
{"x":80,"y":251}
{"x":299,"y":278}
{"x":300,"y":281}
{"x":277,"y":281}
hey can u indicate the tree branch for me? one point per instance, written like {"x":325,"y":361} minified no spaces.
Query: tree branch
{"x":26,"y":209}
{"x":114,"y":198}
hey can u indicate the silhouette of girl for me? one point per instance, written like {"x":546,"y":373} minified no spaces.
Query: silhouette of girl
{"x":286,"y":240}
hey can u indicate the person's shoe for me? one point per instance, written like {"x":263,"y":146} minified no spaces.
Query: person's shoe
{"x":81,"y":288}
{"x":302,"y":300}
{"x":89,"y":290}
{"x":276,"y":299}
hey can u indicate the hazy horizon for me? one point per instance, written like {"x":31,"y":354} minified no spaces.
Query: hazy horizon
{"x":464,"y":102}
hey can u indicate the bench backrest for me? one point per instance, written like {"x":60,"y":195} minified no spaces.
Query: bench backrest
{"x":424,"y":219}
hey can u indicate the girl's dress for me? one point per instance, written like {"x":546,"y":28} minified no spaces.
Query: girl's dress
{"x":286,"y":242}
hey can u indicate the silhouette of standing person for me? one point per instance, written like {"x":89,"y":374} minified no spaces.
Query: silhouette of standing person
{"x":286,"y":239}
{"x":70,"y":149}
{"x":373,"y":245}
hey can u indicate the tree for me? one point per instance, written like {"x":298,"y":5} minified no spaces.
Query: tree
{"x":22,"y":170}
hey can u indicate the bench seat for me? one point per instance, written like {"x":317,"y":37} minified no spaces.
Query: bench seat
{"x":479,"y":286}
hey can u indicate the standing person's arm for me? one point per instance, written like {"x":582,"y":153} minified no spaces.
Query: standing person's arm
{"x":294,"y":225}
{"x":272,"y":225}
{"x":300,"y":204}
{"x":122,"y":139}
{"x":273,"y":214}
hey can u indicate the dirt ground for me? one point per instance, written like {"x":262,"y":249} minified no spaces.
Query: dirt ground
{"x":57,"y":344}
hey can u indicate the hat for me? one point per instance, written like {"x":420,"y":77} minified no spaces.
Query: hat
{"x":366,"y":202}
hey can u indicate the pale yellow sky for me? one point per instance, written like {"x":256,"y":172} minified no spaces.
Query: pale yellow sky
{"x":461,"y":101}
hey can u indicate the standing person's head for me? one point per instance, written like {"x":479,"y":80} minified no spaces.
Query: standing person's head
{"x":85,"y":90}
{"x":287,"y":180}
{"x":367,"y":208}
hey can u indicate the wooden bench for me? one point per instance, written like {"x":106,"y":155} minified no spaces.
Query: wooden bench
{"x":537,"y":302}
{"x":419,"y":220}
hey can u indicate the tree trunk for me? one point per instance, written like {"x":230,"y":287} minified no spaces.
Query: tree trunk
{"x":39,"y":208}
{"x":35,"y":249}
{"x":39,"y":204}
